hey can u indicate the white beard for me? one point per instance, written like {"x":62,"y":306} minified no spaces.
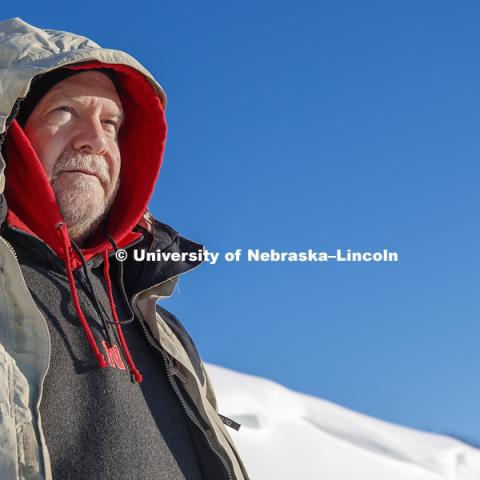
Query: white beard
{"x":81,"y":215}
{"x":81,"y":198}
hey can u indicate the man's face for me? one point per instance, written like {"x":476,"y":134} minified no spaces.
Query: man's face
{"x":74,"y":130}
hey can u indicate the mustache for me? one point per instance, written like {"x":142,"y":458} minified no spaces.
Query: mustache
{"x":82,"y":161}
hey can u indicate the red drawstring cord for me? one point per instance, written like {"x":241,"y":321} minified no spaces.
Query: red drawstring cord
{"x":73,"y":289}
{"x":133,"y":368}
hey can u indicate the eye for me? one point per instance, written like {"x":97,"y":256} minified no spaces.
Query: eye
{"x":65,"y":108}
{"x":111,"y":122}
{"x":111,"y":126}
{"x":63,"y":113}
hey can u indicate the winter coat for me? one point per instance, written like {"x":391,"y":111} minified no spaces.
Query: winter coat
{"x":25,"y":345}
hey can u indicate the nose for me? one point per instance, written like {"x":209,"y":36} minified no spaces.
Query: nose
{"x":90,"y":138}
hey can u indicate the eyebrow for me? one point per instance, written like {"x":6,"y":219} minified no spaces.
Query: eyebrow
{"x":120,"y":114}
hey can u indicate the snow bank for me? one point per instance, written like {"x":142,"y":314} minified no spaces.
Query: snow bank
{"x":286,"y":435}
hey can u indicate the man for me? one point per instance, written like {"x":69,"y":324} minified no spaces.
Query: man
{"x":96,"y":380}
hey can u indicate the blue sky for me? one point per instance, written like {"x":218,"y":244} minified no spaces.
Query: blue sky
{"x":321,"y":125}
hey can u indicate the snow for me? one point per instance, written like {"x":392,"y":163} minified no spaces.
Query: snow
{"x":287,"y":435}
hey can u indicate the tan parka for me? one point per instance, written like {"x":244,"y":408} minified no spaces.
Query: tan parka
{"x":27,"y":51}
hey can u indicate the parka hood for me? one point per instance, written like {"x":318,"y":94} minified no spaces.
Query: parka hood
{"x":27,"y":51}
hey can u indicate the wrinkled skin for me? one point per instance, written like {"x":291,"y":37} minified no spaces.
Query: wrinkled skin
{"x":74,"y":131}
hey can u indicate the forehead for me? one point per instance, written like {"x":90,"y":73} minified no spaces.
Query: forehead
{"x":87,"y":86}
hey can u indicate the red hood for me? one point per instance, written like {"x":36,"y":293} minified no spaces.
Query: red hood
{"x":31,"y":203}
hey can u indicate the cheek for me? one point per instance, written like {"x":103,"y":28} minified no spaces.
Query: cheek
{"x":115,"y":163}
{"x":48,"y":147}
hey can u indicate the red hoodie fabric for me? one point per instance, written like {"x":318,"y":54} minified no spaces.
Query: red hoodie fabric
{"x":31,"y":203}
{"x":32,"y":206}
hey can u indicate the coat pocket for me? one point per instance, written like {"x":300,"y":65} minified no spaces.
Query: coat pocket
{"x":19,"y":457}
{"x":8,"y":434}
{"x":27,"y":448}
{"x":6,"y":383}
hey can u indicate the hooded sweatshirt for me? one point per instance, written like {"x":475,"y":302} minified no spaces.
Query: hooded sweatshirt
{"x":106,"y":396}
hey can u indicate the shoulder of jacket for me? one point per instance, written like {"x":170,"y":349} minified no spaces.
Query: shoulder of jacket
{"x":165,"y":236}
{"x":185,"y":339}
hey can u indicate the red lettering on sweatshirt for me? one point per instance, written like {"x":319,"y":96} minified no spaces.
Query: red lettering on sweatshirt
{"x":113,"y":356}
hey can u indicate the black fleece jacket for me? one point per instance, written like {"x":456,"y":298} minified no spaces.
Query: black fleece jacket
{"x":99,"y":423}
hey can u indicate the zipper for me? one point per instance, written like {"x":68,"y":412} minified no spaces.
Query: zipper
{"x":10,"y":248}
{"x":56,"y":259}
{"x":168,"y":365}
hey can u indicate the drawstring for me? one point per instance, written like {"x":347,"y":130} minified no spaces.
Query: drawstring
{"x":133,"y":368}
{"x":97,"y":306}
{"x":122,"y":283}
{"x":61,"y":228}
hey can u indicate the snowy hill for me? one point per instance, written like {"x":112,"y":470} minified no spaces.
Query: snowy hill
{"x":287,"y":435}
